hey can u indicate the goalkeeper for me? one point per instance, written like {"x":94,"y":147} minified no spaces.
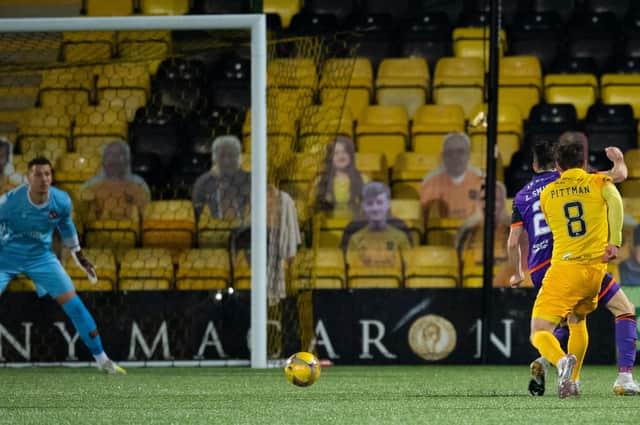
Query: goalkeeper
{"x":28,"y":216}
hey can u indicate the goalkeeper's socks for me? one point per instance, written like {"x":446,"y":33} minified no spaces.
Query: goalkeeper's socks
{"x":84,"y":324}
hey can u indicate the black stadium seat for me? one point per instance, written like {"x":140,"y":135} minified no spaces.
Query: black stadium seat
{"x":538,"y":34}
{"x":564,"y":8}
{"x":149,"y":166}
{"x":549,"y":121}
{"x":398,"y":9}
{"x":519,"y":171}
{"x":158,"y":130}
{"x":617,"y":7}
{"x":594,"y":35}
{"x":427,"y":35}
{"x":341,"y":9}
{"x":375,"y":37}
{"x":631,"y":32}
{"x":231,"y":84}
{"x":307,"y":23}
{"x":611,"y":125}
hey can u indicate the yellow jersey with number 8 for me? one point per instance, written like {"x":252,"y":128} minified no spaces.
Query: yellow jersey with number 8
{"x":576,"y":213}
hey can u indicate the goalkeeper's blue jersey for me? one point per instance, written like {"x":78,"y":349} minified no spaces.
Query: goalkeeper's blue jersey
{"x":26,"y":229}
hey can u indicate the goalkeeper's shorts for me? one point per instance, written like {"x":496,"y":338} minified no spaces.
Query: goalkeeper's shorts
{"x":45,"y":270}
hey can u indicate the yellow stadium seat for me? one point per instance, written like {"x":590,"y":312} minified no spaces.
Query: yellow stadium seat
{"x":281,"y":139}
{"x":299,"y":73}
{"x":520,"y":82}
{"x":18,"y":97}
{"x":442,"y":230}
{"x":383,"y":129}
{"x":110,"y":8}
{"x":630,"y":188}
{"x":144,"y":45}
{"x":169,"y":224}
{"x":283,"y":8}
{"x":328,"y":229}
{"x":403,"y":81}
{"x":409,"y":171}
{"x":20,"y":163}
{"x":431,"y":123}
{"x":621,"y":88}
{"x":164,"y":7}
{"x":95,"y":126}
{"x":323,"y":269}
{"x":88,"y":46}
{"x":44,"y":131}
{"x":116,"y":235}
{"x":459,"y":81}
{"x":214,"y":232}
{"x":347,"y":81}
{"x":473,"y":42}
{"x":632,"y":206}
{"x":203,"y":269}
{"x":21,"y":283}
{"x":297,"y":182}
{"x":123,"y":87}
{"x":478,"y":160}
{"x":105,"y":263}
{"x":581,"y":90}
{"x":146,"y":269}
{"x":509,"y":130}
{"x":374,"y":277}
{"x":632,"y":159}
{"x":319,"y":124}
{"x":76,"y":83}
{"x":72,"y":170}
{"x":373,"y":166}
{"x":410,"y":211}
{"x":287,"y":104}
{"x":432,"y":267}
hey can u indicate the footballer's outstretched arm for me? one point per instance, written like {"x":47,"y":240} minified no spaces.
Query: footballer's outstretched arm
{"x":619,"y":171}
{"x":615,"y":217}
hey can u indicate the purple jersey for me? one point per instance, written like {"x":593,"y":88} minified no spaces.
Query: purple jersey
{"x":527,"y":213}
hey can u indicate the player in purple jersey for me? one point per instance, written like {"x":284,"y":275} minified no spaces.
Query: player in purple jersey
{"x":528,"y":217}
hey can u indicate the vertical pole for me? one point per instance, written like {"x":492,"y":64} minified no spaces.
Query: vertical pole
{"x":490,"y":188}
{"x":259,"y":193}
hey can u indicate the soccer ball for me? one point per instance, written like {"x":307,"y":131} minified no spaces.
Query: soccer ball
{"x":302,"y":369}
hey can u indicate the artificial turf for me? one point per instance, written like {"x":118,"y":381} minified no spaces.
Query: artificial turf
{"x":343,"y":395}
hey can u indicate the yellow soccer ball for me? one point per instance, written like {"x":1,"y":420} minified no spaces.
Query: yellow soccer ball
{"x":302,"y":369}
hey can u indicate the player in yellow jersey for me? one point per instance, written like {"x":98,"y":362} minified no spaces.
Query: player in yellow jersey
{"x":584,"y":212}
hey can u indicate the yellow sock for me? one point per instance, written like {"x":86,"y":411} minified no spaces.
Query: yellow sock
{"x":548,"y":346}
{"x":578,"y":342}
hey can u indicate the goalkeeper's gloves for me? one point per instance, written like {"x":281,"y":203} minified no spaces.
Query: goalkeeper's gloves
{"x":85,"y":265}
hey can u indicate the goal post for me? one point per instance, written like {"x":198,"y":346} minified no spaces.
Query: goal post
{"x":256,"y":23}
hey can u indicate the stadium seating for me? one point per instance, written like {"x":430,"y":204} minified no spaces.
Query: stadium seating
{"x":431,"y":267}
{"x":408,"y":172}
{"x":72,"y":170}
{"x":520,"y":82}
{"x":95,"y":126}
{"x":564,"y":8}
{"x":427,"y":35}
{"x":359,"y":277}
{"x":373,"y":36}
{"x":164,"y":7}
{"x":21,"y":283}
{"x":322,"y":269}
{"x":111,"y":8}
{"x":625,"y":89}
{"x":144,"y":45}
{"x":283,"y":8}
{"x":281,"y":138}
{"x":169,"y":224}
{"x":519,"y":172}
{"x":146,"y":269}
{"x":441,"y":230}
{"x":373,"y":166}
{"x":328,"y":229}
{"x":611,"y":125}
{"x":118,"y":235}
{"x":631,"y":34}
{"x":431,"y":123}
{"x":66,"y":88}
{"x":44,"y":131}
{"x":403,"y":81}
{"x":459,"y":81}
{"x":231,"y":82}
{"x":105,"y":263}
{"x":214,"y":232}
{"x":474,"y":43}
{"x":156,"y":130}
{"x":632,"y":159}
{"x":509,"y":130}
{"x":39,"y":8}
{"x":88,"y":46}
{"x":580,"y":90}
{"x":537,"y":34}
{"x":319,"y":124}
{"x":311,"y":23}
{"x":241,"y":271}
{"x":410,"y":212}
{"x":305,"y":170}
{"x":347,"y":81}
{"x":203,"y":269}
{"x":124,"y":86}
{"x":339,"y":8}
{"x":593,"y":35}
{"x":383,"y":129}
{"x":549,"y":121}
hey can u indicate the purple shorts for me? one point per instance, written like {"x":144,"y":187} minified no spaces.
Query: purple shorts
{"x":608,"y":288}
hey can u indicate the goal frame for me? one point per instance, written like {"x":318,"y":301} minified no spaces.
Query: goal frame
{"x":256,"y":23}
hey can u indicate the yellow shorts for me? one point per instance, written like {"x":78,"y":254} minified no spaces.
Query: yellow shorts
{"x":568,"y":288}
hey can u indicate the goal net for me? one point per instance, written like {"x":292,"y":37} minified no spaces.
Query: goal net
{"x":150,"y":133}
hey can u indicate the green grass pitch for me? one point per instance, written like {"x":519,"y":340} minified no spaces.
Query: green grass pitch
{"x":343,"y":395}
